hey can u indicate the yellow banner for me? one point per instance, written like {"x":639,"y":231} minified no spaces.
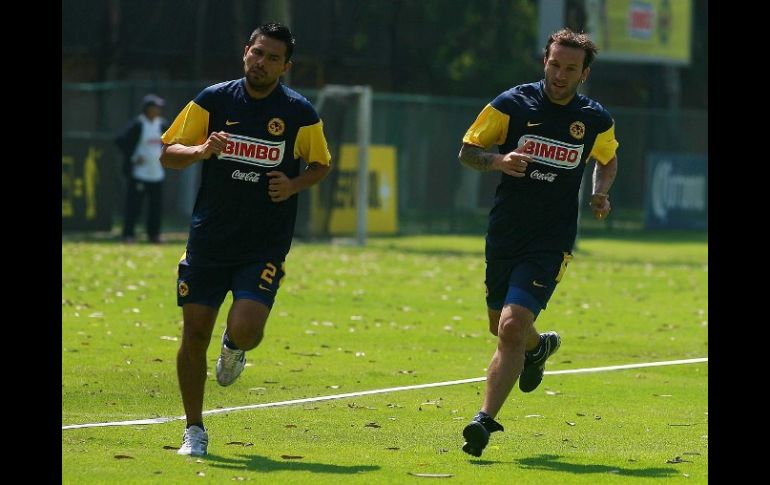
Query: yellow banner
{"x":382,"y":216}
{"x":86,"y":185}
{"x":641,"y":30}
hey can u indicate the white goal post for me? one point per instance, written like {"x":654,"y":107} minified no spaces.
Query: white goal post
{"x":363,"y":135}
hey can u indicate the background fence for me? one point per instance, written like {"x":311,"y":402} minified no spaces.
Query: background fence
{"x":436,"y":194}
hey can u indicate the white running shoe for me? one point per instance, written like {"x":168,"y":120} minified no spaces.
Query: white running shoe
{"x":194,"y":443}
{"x":230,"y":364}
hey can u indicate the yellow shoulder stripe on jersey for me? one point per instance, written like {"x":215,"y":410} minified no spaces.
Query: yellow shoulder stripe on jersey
{"x":605,"y":146}
{"x":191,"y":127}
{"x":490,"y":128}
{"x":311,"y":144}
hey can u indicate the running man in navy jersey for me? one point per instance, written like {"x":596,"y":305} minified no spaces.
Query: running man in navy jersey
{"x":545,"y":133}
{"x":251,"y":134}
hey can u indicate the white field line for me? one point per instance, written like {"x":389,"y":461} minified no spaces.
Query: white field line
{"x":378,"y":391}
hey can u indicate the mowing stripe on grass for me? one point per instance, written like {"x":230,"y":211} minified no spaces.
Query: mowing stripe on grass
{"x":379,"y":391}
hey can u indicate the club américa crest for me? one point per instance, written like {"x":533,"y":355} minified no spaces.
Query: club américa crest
{"x":577,"y":130}
{"x":183,"y":289}
{"x":276,"y":126}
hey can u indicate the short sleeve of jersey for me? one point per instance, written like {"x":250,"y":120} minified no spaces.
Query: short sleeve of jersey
{"x":490,"y":128}
{"x":311,"y":144}
{"x":191,"y":126}
{"x":605,"y":145}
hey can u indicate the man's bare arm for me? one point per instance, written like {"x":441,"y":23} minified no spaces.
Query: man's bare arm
{"x":477,"y":158}
{"x":513,"y":163}
{"x":604,"y":176}
{"x":313,"y":174}
{"x":282,"y":187}
{"x":178,"y":156}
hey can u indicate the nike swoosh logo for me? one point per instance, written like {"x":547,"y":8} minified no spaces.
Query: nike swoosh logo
{"x":529,"y":123}
{"x":535,"y":283}
{"x":264,"y":288}
{"x":229,"y":123}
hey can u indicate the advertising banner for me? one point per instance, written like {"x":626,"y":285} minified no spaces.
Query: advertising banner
{"x":86,"y":200}
{"x":657,"y":31}
{"x":677,"y":191}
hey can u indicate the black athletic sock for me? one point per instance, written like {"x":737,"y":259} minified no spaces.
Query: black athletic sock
{"x":480,"y":416}
{"x":488,"y":422}
{"x":537,"y":351}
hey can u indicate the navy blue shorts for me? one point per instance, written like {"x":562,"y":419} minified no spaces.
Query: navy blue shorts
{"x":258,"y":281}
{"x":528,"y":281}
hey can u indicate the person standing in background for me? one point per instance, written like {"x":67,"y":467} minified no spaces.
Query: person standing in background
{"x":141,"y":146}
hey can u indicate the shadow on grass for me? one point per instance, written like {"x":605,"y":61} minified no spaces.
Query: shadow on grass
{"x":552,"y":463}
{"x":484,"y":462}
{"x":265,"y":464}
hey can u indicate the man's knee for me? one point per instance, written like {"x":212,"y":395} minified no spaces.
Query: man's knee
{"x":198,"y":324}
{"x":246,"y":323}
{"x":246,"y":339}
{"x":195,"y":341}
{"x":512,"y":331}
{"x":515,"y":323}
{"x":198,"y":335}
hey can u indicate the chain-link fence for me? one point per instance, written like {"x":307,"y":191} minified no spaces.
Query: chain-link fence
{"x":436,"y":194}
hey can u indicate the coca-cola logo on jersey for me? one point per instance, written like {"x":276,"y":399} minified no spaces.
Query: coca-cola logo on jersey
{"x":548,"y":177}
{"x":246,"y":176}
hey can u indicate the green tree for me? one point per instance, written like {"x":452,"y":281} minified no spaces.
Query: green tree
{"x":448,"y":47}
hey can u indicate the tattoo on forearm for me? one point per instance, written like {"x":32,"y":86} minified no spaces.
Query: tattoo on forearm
{"x":476,"y":158}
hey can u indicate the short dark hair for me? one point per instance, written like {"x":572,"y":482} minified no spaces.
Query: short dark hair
{"x":277,"y":31}
{"x":567,"y":37}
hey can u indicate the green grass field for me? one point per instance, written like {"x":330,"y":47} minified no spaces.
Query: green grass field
{"x":402,"y":311}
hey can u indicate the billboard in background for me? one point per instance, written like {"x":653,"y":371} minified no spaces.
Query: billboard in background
{"x":677,"y":191}
{"x":657,"y":31}
{"x":86,"y":183}
{"x":382,"y":213}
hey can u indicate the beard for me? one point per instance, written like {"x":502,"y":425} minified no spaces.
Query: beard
{"x":258,"y":80}
{"x":560,"y":92}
